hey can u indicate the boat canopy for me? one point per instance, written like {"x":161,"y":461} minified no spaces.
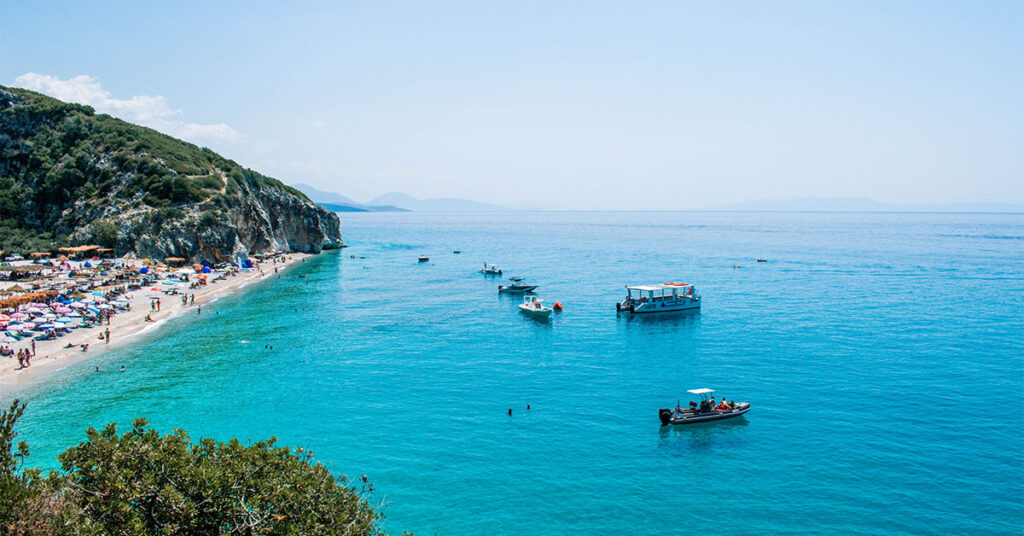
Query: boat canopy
{"x":701,"y":391}
{"x":649,"y":288}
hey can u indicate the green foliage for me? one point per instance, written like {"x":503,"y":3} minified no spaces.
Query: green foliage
{"x":57,"y":155}
{"x":104,"y":233}
{"x":143,"y":482}
{"x":15,"y":487}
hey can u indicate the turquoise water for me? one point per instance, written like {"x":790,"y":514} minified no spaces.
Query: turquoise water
{"x":883,"y":355}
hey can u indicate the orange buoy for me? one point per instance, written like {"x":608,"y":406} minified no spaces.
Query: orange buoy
{"x":557,"y":306}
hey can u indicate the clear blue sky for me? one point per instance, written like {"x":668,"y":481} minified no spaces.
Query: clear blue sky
{"x":639,"y":105}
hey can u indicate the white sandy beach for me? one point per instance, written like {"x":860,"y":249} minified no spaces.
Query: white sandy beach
{"x":125,"y":327}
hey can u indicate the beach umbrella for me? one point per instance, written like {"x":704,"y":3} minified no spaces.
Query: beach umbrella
{"x":48,"y":316}
{"x":77,"y":305}
{"x":4,"y":318}
{"x":7,"y":338}
{"x":62,"y":310}
{"x":33,"y":310}
{"x":48,"y":326}
{"x":75,"y":314}
{"x":104,"y":306}
{"x":97,"y":293}
{"x":143,"y":270}
{"x":156,"y":289}
{"x":19,"y":316}
{"x":27,"y":325}
{"x":65,"y":319}
{"x":206,"y":269}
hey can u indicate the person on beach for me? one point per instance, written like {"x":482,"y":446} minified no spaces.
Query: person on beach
{"x":85,"y":347}
{"x":193,"y":300}
{"x":149,"y":318}
{"x":200,"y":310}
{"x":33,"y":347}
{"x":21,"y":359}
{"x":106,"y":334}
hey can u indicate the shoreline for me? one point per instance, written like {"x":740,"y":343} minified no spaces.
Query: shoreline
{"x":128,"y":327}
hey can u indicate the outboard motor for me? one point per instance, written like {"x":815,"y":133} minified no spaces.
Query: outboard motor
{"x":665,"y":415}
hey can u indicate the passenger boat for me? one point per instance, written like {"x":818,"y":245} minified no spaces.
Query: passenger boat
{"x":424,"y":258}
{"x":490,"y":270}
{"x":702,"y":412}
{"x":533,"y":306}
{"x":517,"y":286}
{"x":664,"y":298}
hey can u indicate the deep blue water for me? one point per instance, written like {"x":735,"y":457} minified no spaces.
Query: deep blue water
{"x":883,"y":355}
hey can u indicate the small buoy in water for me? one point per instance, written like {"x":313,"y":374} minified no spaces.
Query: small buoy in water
{"x":557,"y":306}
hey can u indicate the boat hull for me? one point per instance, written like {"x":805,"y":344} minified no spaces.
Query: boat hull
{"x":517,"y":290}
{"x":671,"y":418}
{"x":538,"y":313}
{"x":643,"y":310}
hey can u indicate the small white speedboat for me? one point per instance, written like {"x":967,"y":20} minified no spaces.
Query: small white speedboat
{"x":490,"y":270}
{"x":424,"y":258}
{"x":533,"y":306}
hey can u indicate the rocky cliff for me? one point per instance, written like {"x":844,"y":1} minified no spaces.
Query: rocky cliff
{"x":70,"y":176}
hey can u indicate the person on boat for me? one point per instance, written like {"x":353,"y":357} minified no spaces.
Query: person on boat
{"x":712,"y":402}
{"x":723,"y":405}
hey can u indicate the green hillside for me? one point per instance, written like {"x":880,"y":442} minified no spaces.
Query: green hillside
{"x":69,"y":175}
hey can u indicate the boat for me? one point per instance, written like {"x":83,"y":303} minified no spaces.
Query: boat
{"x":490,"y":270}
{"x":702,"y":412}
{"x":456,"y":252}
{"x":762,"y":260}
{"x":517,"y":286}
{"x":533,"y":306}
{"x":424,"y":258}
{"x":664,"y":298}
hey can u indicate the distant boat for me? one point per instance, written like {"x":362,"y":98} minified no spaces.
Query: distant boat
{"x":456,"y":252}
{"x":490,"y":270}
{"x":424,"y":258}
{"x":517,"y":286}
{"x":533,"y":306}
{"x":702,"y":412}
{"x":762,"y":260}
{"x":664,"y":298}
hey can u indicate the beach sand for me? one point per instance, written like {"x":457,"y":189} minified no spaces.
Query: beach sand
{"x":125,"y":327}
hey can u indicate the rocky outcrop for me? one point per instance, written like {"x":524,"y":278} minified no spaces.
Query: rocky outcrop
{"x":78,"y":178}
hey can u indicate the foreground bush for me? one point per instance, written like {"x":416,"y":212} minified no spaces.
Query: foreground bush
{"x":142,"y":482}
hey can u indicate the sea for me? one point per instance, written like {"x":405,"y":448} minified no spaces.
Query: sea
{"x":882,"y":354}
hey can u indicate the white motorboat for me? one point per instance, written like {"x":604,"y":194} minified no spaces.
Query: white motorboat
{"x":533,"y":306}
{"x":517,"y":286}
{"x":664,"y":298}
{"x":490,"y":270}
{"x":424,"y":258}
{"x":703,"y":412}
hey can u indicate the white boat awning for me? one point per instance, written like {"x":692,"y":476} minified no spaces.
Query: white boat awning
{"x":646,"y":288}
{"x":701,"y":391}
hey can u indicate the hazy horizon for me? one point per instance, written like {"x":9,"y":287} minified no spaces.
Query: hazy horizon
{"x":572,"y":106}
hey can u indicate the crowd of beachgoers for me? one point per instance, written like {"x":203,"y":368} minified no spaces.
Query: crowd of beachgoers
{"x":64,"y":306}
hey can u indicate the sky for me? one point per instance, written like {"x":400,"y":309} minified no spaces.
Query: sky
{"x":575,"y":105}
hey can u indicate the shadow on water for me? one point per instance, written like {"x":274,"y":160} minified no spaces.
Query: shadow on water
{"x":663,"y":320}
{"x":702,"y":437}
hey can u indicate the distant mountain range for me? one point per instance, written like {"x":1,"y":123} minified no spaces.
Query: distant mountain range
{"x":338,"y":203}
{"x":861,"y":204}
{"x":392,"y":202}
